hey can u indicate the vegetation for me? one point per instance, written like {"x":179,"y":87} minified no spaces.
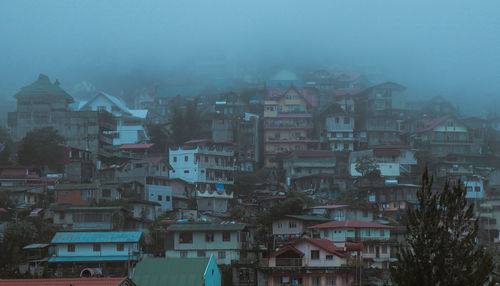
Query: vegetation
{"x":442,"y":241}
{"x":6,"y":146}
{"x":41,"y":148}
{"x":368,"y":167}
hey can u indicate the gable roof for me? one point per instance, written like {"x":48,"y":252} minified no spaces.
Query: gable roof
{"x":105,"y":281}
{"x":286,"y":248}
{"x":206,"y":227}
{"x":431,"y":124}
{"x":96,"y":237}
{"x":116,"y":101}
{"x":350,"y":224}
{"x":277,"y":93}
{"x":43,"y":86}
{"x":325,"y":244}
{"x":170,"y":271}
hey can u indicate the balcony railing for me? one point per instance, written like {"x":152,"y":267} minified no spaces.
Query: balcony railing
{"x":288,"y":261}
{"x":451,"y":141}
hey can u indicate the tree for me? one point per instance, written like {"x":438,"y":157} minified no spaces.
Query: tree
{"x":442,"y":246}
{"x":368,"y":167}
{"x":41,"y":148}
{"x":159,"y":135}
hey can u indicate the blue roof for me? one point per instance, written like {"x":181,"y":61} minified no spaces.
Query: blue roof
{"x":96,"y":237}
{"x":182,"y":90}
{"x":90,"y":258}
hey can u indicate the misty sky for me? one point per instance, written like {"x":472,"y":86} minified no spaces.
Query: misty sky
{"x":433,"y":47}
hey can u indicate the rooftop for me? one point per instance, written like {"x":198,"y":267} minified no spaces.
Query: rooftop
{"x":136,"y":146}
{"x":206,"y":227}
{"x":350,"y":224}
{"x":170,"y":271}
{"x":97,"y":237}
{"x":308,"y":217}
{"x":75,"y":186}
{"x":43,"y":86}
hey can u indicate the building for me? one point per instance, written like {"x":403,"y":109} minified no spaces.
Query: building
{"x":292,"y":227}
{"x":89,"y":218}
{"x":287,"y":123}
{"x":310,"y":170}
{"x":210,"y":166}
{"x":339,"y":129}
{"x":112,"y":252}
{"x":227,"y":242}
{"x":77,"y":194}
{"x":343,"y":212}
{"x":376,"y":239}
{"x":177,"y":271}
{"x":24,"y":196}
{"x":78,"y":165}
{"x":11,"y":176}
{"x":385,"y":98}
{"x":442,"y":136}
{"x":130,"y":122}
{"x":45,"y":104}
{"x":248,"y":142}
{"x":309,"y":262}
{"x":94,"y":281}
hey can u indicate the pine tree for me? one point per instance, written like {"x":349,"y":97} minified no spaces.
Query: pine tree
{"x":442,"y":247}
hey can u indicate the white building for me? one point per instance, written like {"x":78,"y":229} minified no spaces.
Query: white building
{"x":340,"y":132}
{"x":210,"y":167}
{"x":130,"y":122}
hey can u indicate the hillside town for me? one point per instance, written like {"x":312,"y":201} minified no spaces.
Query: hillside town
{"x":290,"y":178}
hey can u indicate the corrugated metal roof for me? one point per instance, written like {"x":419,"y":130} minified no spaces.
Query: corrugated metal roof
{"x":206,"y":226}
{"x":36,"y":245}
{"x":75,"y":186}
{"x":170,"y":271}
{"x":108,"y":281}
{"x":96,"y":237}
{"x":90,"y":258}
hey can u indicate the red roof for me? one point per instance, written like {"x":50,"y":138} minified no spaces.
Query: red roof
{"x":63,"y":282}
{"x":283,"y":249}
{"x":324,"y":244}
{"x":136,"y":146}
{"x":350,"y":223}
{"x":431,"y":124}
{"x":311,"y":99}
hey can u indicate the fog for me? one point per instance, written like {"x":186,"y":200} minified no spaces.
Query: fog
{"x":433,"y":47}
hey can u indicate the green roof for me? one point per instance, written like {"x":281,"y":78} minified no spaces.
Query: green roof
{"x":170,"y":271}
{"x":206,"y":226}
{"x":43,"y":86}
{"x":309,"y":217}
{"x":75,"y":186}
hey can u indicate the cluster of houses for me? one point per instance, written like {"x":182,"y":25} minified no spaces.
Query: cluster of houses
{"x":126,"y":208}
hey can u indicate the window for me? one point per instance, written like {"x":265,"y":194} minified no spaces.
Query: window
{"x":221,"y":255}
{"x":106,"y":193}
{"x":186,"y":237}
{"x":477,"y":189}
{"x":200,"y":253}
{"x":185,"y":158}
{"x":337,"y":120}
{"x":329,"y":257}
{"x":167,"y":199}
{"x":292,"y":224}
{"x":226,"y":236}
{"x":71,"y":248}
{"x":314,"y":254}
{"x":186,"y":171}
{"x":382,"y":233}
{"x":316,"y":281}
{"x":331,"y":281}
{"x":101,"y":108}
{"x":384,"y":249}
{"x":120,"y":247}
{"x":368,"y":232}
{"x":184,"y":254}
{"x":175,"y":159}
{"x":159,"y":198}
{"x":209,"y":237}
{"x":280,"y":225}
{"x":97,"y":247}
{"x":346,"y":120}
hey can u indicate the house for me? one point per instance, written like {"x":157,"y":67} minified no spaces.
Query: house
{"x":17,"y":176}
{"x":46,"y":104}
{"x":390,"y":196}
{"x":112,"y":252}
{"x":177,"y":271}
{"x":489,"y":215}
{"x":474,"y":185}
{"x":343,"y":212}
{"x":384,"y":98}
{"x":94,"y":281}
{"x":210,"y":166}
{"x":309,"y":169}
{"x":287,"y":122}
{"x":144,"y":212}
{"x":387,"y":169}
{"x":77,"y":194}
{"x":346,"y":98}
{"x":130,"y":122}
{"x":248,"y":145}
{"x":227,"y":242}
{"x":36,"y":258}
{"x":294,"y":226}
{"x":444,"y":135}
{"x":78,"y":165}
{"x":24,"y":196}
{"x":376,"y":239}
{"x":310,"y":262}
{"x":138,"y":150}
{"x":89,"y":218}
{"x":339,"y":129}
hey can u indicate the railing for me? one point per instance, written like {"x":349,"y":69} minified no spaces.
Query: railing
{"x":452,"y":141}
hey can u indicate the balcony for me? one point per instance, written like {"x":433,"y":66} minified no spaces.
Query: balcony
{"x":451,"y":141}
{"x":281,"y":262}
{"x":106,"y":139}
